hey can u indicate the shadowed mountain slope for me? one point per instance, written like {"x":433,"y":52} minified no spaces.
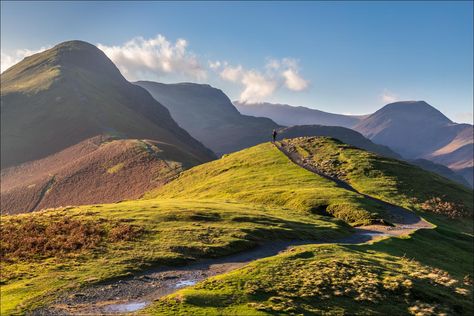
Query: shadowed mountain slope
{"x":97,"y":170}
{"x":71,"y":92}
{"x":209,"y":116}
{"x":415,"y":129}
{"x":288,"y":115}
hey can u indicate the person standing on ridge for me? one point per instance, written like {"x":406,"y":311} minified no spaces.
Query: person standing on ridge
{"x":274,"y":135}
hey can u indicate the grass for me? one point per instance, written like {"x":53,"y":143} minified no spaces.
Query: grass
{"x":256,"y":195}
{"x":428,"y":273}
{"x":388,"y":179}
{"x":174,"y":232}
{"x":263,"y":175}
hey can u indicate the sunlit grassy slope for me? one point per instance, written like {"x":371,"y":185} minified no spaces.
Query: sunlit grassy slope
{"x":398,"y":276}
{"x":263,"y":175}
{"x":391,"y":180}
{"x":174,"y":231}
{"x":227,"y":206}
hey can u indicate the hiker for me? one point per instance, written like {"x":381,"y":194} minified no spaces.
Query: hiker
{"x":274,"y":135}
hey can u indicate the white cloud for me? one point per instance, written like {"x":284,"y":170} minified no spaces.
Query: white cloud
{"x":294,"y":81}
{"x":156,"y":57}
{"x":389,"y":97}
{"x":8,"y":60}
{"x":233,"y":74}
{"x":258,"y":85}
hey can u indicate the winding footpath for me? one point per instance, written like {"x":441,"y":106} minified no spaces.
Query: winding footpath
{"x":130,"y":294}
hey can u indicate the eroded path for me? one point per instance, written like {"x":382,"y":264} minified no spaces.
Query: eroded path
{"x":404,"y":221}
{"x":136,"y":292}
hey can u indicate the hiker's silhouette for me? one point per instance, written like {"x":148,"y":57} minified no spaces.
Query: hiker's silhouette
{"x":274,"y":135}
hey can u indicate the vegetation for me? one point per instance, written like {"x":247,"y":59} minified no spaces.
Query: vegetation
{"x":230,"y":205}
{"x":336,"y":280}
{"x":388,"y":179}
{"x":263,"y":175}
{"x":71,"y":247}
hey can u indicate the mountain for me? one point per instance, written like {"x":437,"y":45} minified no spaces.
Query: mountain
{"x":57,"y":98}
{"x":416,"y":130}
{"x":209,"y":116}
{"x":288,"y":115}
{"x":97,"y":170}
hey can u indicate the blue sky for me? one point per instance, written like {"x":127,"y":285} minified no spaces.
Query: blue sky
{"x":343,"y":57}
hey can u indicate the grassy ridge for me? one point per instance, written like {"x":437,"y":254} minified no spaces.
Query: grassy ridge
{"x":229,"y":205}
{"x":263,"y":175}
{"x":391,"y":180}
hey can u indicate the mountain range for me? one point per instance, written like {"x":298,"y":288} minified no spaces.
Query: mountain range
{"x":209,"y":116}
{"x":413,"y":129}
{"x":288,"y":115}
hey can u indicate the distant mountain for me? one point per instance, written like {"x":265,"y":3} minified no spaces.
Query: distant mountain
{"x":97,"y":170}
{"x":71,"y":92}
{"x":288,"y":115}
{"x":209,"y":116}
{"x":343,"y":134}
{"x":416,"y":130}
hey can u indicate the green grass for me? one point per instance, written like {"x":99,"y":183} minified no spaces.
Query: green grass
{"x":256,"y":195}
{"x":421,"y":275}
{"x":388,"y":179}
{"x":175,"y":232}
{"x":263,"y":175}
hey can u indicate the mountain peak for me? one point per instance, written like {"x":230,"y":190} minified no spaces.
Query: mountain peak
{"x":413,"y":110}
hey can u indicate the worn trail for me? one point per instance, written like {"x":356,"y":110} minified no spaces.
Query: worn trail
{"x":133,"y":293}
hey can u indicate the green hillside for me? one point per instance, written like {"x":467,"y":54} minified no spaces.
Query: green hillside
{"x":391,"y":180}
{"x":229,"y":205}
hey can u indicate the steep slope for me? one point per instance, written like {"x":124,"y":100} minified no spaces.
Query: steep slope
{"x":391,"y":180}
{"x":354,"y":138}
{"x":288,"y":115}
{"x":71,"y":92}
{"x":97,"y":170}
{"x":415,"y":129}
{"x":209,"y":116}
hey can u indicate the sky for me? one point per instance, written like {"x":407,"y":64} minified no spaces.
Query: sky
{"x":341,"y":57}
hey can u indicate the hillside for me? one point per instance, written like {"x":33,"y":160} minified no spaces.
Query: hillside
{"x":288,"y":115}
{"x":209,"y":116}
{"x":72,"y":92}
{"x":97,"y":170}
{"x":257,"y":196}
{"x":354,"y":138}
{"x":415,"y":130}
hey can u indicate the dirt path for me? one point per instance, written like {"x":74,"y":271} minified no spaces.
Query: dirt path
{"x":136,"y":292}
{"x":404,"y":221}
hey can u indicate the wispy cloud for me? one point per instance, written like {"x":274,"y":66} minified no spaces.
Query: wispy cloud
{"x":8,"y":60}
{"x":156,"y":57}
{"x":389,"y":97}
{"x":257,"y":85}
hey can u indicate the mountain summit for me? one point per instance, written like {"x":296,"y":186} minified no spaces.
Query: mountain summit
{"x":71,"y":92}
